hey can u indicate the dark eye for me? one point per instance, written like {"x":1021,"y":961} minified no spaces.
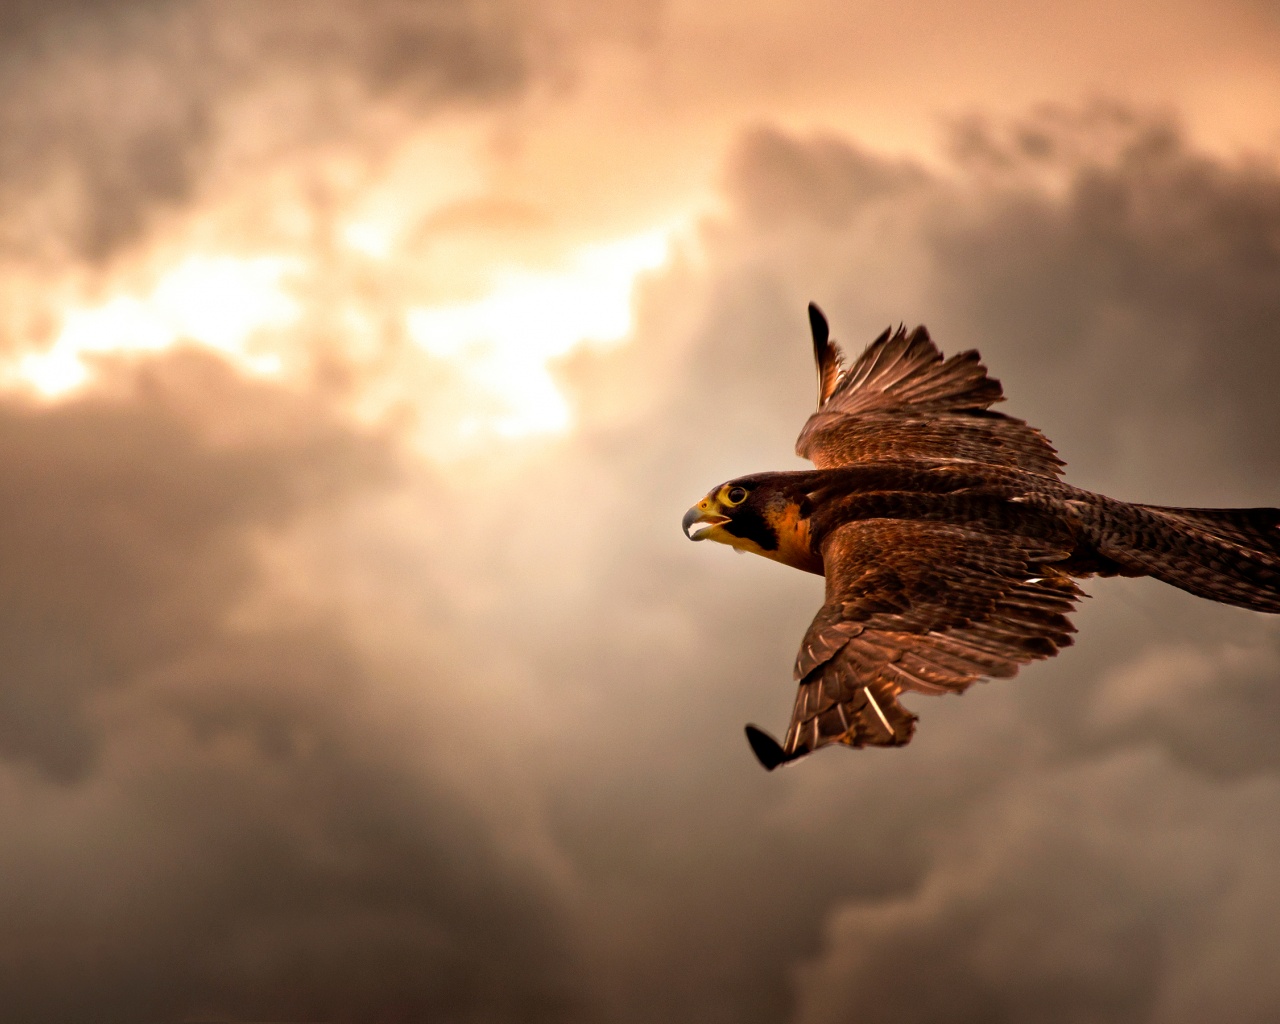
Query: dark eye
{"x":737,"y":495}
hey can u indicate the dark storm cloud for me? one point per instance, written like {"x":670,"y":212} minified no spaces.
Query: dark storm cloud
{"x":1106,"y":819}
{"x":1195,"y":703}
{"x":1118,"y":889}
{"x":1118,"y":279}
{"x":1147,"y":291}
{"x":113,"y":113}
{"x":825,"y":181}
{"x":125,"y":535}
{"x":204,"y":817}
{"x":493,"y":769}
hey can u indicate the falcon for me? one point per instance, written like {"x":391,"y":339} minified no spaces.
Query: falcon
{"x":950,"y":544}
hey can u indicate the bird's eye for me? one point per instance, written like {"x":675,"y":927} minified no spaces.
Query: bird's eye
{"x":736,"y":495}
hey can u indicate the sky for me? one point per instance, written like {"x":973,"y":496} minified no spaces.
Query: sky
{"x":357,"y":363}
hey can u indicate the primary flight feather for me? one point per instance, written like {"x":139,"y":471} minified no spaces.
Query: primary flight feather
{"x":949,"y":543}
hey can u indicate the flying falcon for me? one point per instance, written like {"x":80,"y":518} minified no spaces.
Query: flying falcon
{"x":949,"y":543}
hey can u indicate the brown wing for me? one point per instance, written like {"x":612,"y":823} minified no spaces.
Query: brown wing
{"x":902,"y":400}
{"x":924,"y":606}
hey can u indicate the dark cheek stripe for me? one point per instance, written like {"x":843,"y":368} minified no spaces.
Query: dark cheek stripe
{"x":750,"y":525}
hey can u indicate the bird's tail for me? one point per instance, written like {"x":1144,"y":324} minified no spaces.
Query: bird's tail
{"x":1224,"y":554}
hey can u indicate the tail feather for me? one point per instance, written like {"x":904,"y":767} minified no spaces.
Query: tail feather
{"x":1254,"y":528}
{"x":1228,"y":555}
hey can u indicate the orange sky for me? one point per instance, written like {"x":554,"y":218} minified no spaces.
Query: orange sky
{"x":358,"y":359}
{"x":617,"y":125}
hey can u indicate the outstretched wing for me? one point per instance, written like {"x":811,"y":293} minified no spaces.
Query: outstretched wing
{"x":924,"y":606}
{"x":901,"y":400}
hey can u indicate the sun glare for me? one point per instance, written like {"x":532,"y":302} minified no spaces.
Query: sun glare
{"x":487,"y":363}
{"x":220,"y":302}
{"x":503,"y":343}
{"x":369,"y":237}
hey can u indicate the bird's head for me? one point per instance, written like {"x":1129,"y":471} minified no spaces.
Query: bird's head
{"x":765,"y":514}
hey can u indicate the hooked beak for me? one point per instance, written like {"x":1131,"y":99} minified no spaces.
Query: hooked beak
{"x":702,"y":513}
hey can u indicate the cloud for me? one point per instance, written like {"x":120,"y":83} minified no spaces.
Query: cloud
{"x":211,"y":817}
{"x":1096,"y":891}
{"x":119,"y":115}
{"x":1196,"y":702}
{"x":127,"y":533}
{"x":1122,"y":285}
{"x":1093,"y":250}
{"x":298,"y":726}
{"x":1146,"y":287}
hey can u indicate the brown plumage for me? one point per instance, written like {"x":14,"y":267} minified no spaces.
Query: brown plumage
{"x":949,"y":543}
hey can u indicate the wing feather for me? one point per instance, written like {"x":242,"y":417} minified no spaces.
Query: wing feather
{"x":961,"y":603}
{"x":902,"y":400}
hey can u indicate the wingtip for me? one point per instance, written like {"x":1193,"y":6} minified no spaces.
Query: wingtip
{"x":818,"y":325}
{"x":767,"y":750}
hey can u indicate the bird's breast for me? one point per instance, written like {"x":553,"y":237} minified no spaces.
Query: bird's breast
{"x":795,"y":546}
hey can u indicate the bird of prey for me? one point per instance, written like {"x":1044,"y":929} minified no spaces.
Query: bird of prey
{"x":949,"y":542}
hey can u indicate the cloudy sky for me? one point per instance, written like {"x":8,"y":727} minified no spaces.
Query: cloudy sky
{"x":358,"y":359}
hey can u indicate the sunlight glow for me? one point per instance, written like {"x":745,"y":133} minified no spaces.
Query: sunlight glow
{"x":474,"y":371}
{"x":221,"y":302}
{"x":502,"y":344}
{"x":368,"y":237}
